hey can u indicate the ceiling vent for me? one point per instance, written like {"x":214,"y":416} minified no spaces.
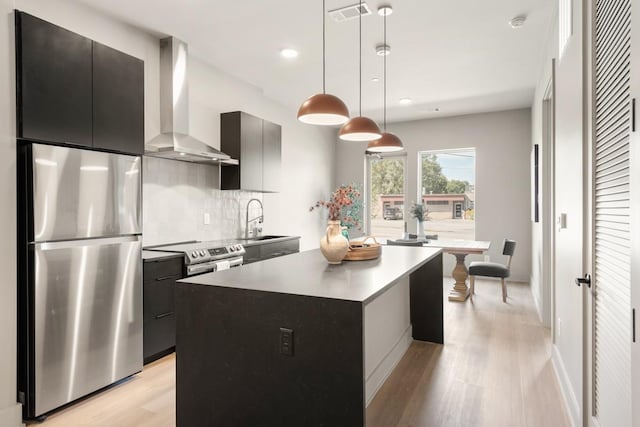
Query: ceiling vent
{"x":350,"y":12}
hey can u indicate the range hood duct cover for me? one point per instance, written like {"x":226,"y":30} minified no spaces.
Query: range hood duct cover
{"x":174,"y":141}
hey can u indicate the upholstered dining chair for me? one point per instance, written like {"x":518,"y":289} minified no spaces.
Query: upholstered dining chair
{"x":493,"y":269}
{"x":427,"y":236}
{"x":401,"y":242}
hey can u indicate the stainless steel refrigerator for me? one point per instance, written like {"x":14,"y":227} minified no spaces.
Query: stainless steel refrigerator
{"x":79,"y":273}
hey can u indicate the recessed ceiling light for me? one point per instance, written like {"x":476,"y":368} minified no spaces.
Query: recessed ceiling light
{"x":289,"y":53}
{"x":383,"y":49}
{"x":518,"y":21}
{"x":385,"y":10}
{"x":405,"y":101}
{"x":375,"y":79}
{"x":182,"y":154}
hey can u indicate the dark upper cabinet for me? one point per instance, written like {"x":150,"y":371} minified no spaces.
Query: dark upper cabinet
{"x":54,"y":94}
{"x":256,"y":143}
{"x":118,"y":100}
{"x":72,"y":90}
{"x":271,"y":156}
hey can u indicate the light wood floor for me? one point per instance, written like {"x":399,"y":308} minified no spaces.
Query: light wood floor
{"x":495,"y":370}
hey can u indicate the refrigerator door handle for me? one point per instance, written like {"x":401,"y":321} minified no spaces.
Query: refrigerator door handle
{"x":46,"y":246}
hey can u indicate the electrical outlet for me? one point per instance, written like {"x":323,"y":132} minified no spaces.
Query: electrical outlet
{"x":286,"y":341}
{"x":207,"y":218}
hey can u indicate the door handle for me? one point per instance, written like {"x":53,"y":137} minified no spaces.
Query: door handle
{"x":586,"y":280}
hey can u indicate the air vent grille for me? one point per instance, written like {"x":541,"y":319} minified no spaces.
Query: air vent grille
{"x":350,"y":12}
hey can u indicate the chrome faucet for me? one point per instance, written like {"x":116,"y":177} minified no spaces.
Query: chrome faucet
{"x":259,"y":218}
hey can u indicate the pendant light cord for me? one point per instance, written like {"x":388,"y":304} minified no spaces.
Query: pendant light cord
{"x":324,"y":49}
{"x":384,"y":58}
{"x":360,"y":62}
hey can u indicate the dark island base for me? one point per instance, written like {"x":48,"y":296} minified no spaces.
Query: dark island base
{"x":231,"y":370}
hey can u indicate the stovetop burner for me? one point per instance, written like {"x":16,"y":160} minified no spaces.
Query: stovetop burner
{"x":198,"y":252}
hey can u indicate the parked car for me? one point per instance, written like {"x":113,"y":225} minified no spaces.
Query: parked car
{"x":392,"y":213}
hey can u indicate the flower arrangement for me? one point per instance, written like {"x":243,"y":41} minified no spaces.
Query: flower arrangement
{"x":344,"y":205}
{"x":417,"y":211}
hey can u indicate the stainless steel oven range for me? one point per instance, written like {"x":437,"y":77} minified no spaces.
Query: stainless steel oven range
{"x":207,"y":257}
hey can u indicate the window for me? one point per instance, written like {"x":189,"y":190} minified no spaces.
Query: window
{"x":447,"y":189}
{"x":385,"y":195}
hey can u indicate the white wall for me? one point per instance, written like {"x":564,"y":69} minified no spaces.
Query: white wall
{"x":10,"y":412}
{"x":540,"y":259}
{"x":569,"y":139}
{"x":307,"y":153}
{"x":503,"y":142}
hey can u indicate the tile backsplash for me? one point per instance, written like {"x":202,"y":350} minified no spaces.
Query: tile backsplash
{"x":177,"y":195}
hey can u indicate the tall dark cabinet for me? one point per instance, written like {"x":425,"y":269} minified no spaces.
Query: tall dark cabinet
{"x":256,"y":143}
{"x":54,"y":79}
{"x":72,"y":90}
{"x":118,"y":100}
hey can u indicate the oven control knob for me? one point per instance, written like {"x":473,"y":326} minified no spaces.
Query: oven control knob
{"x":232,"y":249}
{"x":238,"y":247}
{"x":194,"y":254}
{"x":202,"y":253}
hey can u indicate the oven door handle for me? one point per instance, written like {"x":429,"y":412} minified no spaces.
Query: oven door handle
{"x":211,"y":266}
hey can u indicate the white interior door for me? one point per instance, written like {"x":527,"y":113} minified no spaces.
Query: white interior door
{"x":610,"y":385}
{"x":634,"y":164}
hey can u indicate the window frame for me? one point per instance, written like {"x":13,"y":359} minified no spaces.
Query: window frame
{"x":447,"y":151}
{"x":368,"y":159}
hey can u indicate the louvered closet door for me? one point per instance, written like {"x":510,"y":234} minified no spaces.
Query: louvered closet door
{"x":612,"y":251}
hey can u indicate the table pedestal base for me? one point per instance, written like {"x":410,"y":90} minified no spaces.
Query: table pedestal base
{"x":460,"y":290}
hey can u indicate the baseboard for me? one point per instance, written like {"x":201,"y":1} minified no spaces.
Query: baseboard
{"x":568,"y":396}
{"x":387,"y":365}
{"x":536,"y":300}
{"x":11,"y":416}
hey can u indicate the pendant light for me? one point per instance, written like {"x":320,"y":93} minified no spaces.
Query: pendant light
{"x":323,"y":109}
{"x":360,"y":128}
{"x":388,"y":142}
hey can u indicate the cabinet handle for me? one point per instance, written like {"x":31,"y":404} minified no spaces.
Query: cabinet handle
{"x":160,"y":316}
{"x":173,"y":276}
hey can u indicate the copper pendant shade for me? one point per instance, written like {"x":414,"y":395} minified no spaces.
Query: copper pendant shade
{"x":323,"y":109}
{"x":388,"y":142}
{"x":360,"y":128}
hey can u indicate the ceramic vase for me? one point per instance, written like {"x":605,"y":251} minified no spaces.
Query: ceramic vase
{"x":334,"y":245}
{"x":421,"y":230}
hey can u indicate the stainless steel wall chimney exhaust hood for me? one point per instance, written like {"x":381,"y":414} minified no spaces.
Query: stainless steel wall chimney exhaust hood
{"x":174,"y":141}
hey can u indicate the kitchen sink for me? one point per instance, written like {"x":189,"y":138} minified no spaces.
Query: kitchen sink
{"x":267,"y":237}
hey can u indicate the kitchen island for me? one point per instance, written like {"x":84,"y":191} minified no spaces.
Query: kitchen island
{"x":296,"y":341}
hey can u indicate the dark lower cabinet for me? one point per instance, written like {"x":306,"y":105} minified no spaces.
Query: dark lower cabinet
{"x":268,"y":250}
{"x":159,"y":327}
{"x":252,"y":254}
{"x":53,"y":74}
{"x":118,"y":101}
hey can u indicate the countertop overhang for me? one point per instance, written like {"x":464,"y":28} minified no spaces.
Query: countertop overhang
{"x":308,"y":274}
